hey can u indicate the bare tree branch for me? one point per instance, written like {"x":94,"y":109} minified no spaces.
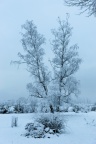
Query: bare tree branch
{"x":84,"y":5}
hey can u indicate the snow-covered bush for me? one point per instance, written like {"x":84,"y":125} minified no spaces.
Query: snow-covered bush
{"x":71,"y":109}
{"x":64,"y":107}
{"x":20,"y":105}
{"x":35,"y":130}
{"x":43,"y":106}
{"x":45,"y":124}
{"x":3,"y":109}
{"x":53,"y":122}
{"x":93,"y":108}
{"x":81,"y":108}
{"x":19,"y":108}
{"x":27,"y":108}
{"x":33,"y":105}
{"x":76,"y":108}
{"x":11,"y":109}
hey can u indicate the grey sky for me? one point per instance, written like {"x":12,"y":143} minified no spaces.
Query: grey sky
{"x":44,"y":13}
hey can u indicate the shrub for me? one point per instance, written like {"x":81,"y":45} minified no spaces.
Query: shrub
{"x":19,"y":108}
{"x":53,"y":122}
{"x":33,"y":105}
{"x":45,"y":125}
{"x":3,"y":109}
{"x":93,"y":108}
{"x":43,"y":107}
{"x":35,"y":130}
{"x":76,"y":108}
{"x":11,"y":109}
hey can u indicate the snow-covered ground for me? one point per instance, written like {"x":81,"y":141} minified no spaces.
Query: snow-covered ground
{"x":81,"y":129}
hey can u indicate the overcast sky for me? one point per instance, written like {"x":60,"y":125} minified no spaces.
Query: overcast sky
{"x":44,"y":13}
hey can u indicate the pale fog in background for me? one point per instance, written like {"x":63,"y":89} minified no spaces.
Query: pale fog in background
{"x":44,"y":13}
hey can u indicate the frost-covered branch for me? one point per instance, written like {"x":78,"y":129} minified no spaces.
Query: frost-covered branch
{"x":84,"y":5}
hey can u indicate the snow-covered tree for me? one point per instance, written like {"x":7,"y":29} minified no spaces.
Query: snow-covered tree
{"x":85,"y":5}
{"x":32,"y":43}
{"x":65,"y":63}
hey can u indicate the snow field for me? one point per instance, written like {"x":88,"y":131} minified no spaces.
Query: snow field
{"x":81,"y":129}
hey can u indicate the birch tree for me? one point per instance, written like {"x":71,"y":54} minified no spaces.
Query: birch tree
{"x":32,"y":43}
{"x":65,"y":63}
